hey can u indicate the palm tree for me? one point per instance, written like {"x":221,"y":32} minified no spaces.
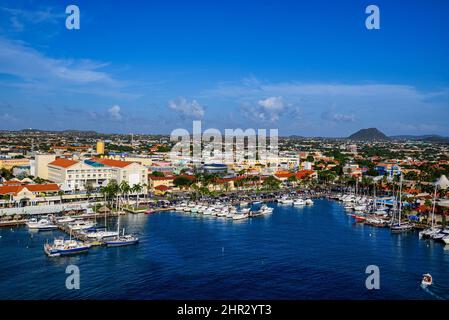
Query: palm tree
{"x":124,"y":189}
{"x":137,"y":188}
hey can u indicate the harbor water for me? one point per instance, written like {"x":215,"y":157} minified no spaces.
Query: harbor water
{"x":309,"y":252}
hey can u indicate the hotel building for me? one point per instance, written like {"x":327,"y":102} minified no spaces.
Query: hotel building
{"x":78,"y":175}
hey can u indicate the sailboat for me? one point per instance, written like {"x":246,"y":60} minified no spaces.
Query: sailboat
{"x":398,"y":227}
{"x":121,"y":240}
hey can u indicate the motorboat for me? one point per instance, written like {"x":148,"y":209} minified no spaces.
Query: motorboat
{"x":240,"y":216}
{"x":446,"y":239}
{"x":309,"y":202}
{"x":101,"y":235}
{"x":62,"y":247}
{"x":209,"y":211}
{"x":41,"y":225}
{"x":266,"y":210}
{"x":285,"y":200}
{"x":299,"y":202}
{"x":81,"y":225}
{"x":427,"y":280}
{"x":65,"y":220}
{"x":360,"y":208}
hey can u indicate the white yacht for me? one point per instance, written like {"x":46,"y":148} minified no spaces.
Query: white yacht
{"x":65,"y":220}
{"x":299,"y":202}
{"x":309,"y":202}
{"x":286,"y":201}
{"x":81,"y":225}
{"x":446,"y":239}
{"x":209,"y":211}
{"x":101,"y":235}
{"x":240,"y":216}
{"x":266,"y":210}
{"x":41,"y":225}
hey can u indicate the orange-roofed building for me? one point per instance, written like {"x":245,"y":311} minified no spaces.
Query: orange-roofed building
{"x":29,"y":191}
{"x":79,"y":175}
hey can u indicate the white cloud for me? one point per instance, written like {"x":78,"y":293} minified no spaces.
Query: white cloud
{"x":332,"y":115}
{"x":114,"y":113}
{"x":37,"y":72}
{"x":266,"y":110}
{"x":20,"y":17}
{"x":187,"y":109}
{"x":359,"y":104}
{"x":270,"y":109}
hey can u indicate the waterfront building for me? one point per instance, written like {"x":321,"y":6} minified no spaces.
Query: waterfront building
{"x":78,"y":175}
{"x":25,"y":193}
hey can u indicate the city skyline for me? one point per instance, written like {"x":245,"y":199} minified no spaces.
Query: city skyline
{"x":307,"y":69}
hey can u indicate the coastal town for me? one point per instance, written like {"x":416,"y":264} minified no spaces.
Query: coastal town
{"x":382,"y":180}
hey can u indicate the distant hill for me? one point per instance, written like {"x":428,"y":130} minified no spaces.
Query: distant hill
{"x":426,"y":138}
{"x":370,"y":134}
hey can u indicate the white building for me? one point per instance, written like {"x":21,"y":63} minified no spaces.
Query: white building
{"x":77,"y":175}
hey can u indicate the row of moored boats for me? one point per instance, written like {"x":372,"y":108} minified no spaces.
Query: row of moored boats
{"x":223,"y":210}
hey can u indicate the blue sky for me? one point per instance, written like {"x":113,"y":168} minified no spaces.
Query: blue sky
{"x":305,"y":67}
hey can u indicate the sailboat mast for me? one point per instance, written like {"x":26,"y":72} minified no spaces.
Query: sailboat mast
{"x":433,"y":205}
{"x":400,"y":198}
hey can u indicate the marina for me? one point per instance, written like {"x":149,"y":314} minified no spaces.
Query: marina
{"x":300,"y":252}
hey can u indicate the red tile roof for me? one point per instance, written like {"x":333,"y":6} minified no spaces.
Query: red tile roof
{"x":64,"y":163}
{"x":112,"y":162}
{"x":160,"y":178}
{"x":31,"y":187}
{"x":162,"y":188}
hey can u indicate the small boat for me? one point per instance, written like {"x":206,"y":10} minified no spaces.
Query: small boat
{"x":446,"y":239}
{"x":266,"y":210}
{"x":41,"y":225}
{"x":149,"y":211}
{"x":209,"y":211}
{"x":102,"y":235}
{"x":65,"y":220}
{"x":123,"y":240}
{"x":359,"y":219}
{"x":62,"y":247}
{"x":299,"y":202}
{"x":426,"y":280}
{"x":240,"y":216}
{"x":81,"y":225}
{"x":404,"y":227}
{"x":285,"y":200}
{"x":309,"y":202}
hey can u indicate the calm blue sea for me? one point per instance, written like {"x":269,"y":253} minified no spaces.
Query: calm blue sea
{"x":314,"y":252}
